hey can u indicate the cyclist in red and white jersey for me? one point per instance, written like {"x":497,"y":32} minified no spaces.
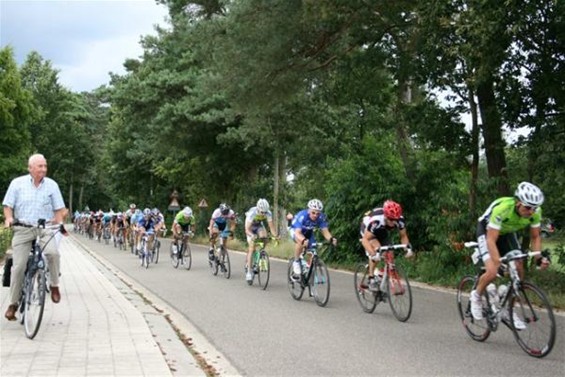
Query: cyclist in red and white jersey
{"x":375,"y":228}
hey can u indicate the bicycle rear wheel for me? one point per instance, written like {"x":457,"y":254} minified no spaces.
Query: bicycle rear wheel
{"x":295,"y":287}
{"x":320,"y":283}
{"x":531,"y":306}
{"x":34,"y":303}
{"x":399,"y":294}
{"x":263,"y":269}
{"x":477,"y":329}
{"x":175,"y":251}
{"x":367,"y":299}
{"x":225,"y":265}
{"x":187,"y":256}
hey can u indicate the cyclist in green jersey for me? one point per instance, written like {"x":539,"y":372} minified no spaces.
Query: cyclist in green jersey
{"x":183,"y":222}
{"x":496,"y":235}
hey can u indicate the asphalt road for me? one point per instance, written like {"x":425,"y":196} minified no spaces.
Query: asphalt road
{"x":269,"y":333}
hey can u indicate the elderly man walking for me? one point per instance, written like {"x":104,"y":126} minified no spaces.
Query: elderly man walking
{"x":29,"y":198}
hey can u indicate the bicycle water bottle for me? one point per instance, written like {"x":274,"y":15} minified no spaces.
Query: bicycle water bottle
{"x":502,"y":289}
{"x":492,"y":295}
{"x":304,"y":266}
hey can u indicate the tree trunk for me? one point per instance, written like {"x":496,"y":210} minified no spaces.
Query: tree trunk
{"x":475,"y":153}
{"x":405,"y":98}
{"x":276,"y":189}
{"x":71,"y":208}
{"x":80,"y":195}
{"x":492,"y":134}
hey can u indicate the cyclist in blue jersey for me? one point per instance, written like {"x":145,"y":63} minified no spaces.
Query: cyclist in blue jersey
{"x":255,"y":220}
{"x":145,"y":225}
{"x":496,"y":236}
{"x":222,"y":220}
{"x":302,"y":230}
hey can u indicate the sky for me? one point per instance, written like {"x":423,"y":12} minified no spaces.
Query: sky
{"x":83,"y":39}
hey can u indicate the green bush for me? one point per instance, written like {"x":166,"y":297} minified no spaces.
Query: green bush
{"x":5,"y":240}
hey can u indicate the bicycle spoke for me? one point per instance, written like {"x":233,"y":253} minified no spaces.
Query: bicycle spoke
{"x":477,"y":329}
{"x":367,"y":299}
{"x":536,"y":334}
{"x":34,"y":303}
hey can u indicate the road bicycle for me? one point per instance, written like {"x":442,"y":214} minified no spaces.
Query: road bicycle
{"x":522,"y":307}
{"x":182,"y":254}
{"x":34,"y":289}
{"x":393,"y":287}
{"x":119,"y":239}
{"x":132,"y":240}
{"x":261,"y":265}
{"x":106,"y":233}
{"x":221,"y":257}
{"x":156,"y":247}
{"x":314,"y":276}
{"x":146,"y":255}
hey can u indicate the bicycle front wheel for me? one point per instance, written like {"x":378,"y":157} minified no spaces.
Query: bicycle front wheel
{"x":34,"y":303}
{"x":320,"y":283}
{"x":225,"y":265}
{"x":530,"y":306}
{"x":157,"y":249}
{"x":174,"y":255}
{"x":214,"y":264}
{"x":477,"y":329}
{"x":263,"y":270}
{"x":367,"y":299}
{"x":399,"y":294}
{"x":187,"y":256}
{"x":295,"y":286}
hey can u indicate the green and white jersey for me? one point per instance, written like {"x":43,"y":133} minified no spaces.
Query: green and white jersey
{"x":503,"y":216}
{"x":182,"y":221}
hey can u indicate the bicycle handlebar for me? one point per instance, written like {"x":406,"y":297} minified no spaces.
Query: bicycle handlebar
{"x":399,"y":246}
{"x":41,"y":224}
{"x":518,"y":254}
{"x":512,"y":255}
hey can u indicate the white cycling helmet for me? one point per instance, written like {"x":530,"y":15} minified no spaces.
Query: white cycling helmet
{"x":146,"y":212}
{"x":262,"y":205}
{"x":315,"y":204}
{"x":187,"y":212}
{"x":529,"y":194}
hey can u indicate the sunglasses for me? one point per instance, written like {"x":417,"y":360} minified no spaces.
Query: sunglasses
{"x":529,"y":208}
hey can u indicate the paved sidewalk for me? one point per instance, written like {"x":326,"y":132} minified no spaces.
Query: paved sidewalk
{"x":99,"y":328}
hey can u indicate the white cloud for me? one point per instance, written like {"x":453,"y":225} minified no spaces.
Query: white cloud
{"x":85,"y":40}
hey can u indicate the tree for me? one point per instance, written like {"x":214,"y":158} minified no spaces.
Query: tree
{"x":16,"y":114}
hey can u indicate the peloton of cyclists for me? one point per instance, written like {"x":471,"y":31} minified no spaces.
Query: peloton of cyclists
{"x":302,"y":231}
{"x":255,"y":219}
{"x":375,"y":227}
